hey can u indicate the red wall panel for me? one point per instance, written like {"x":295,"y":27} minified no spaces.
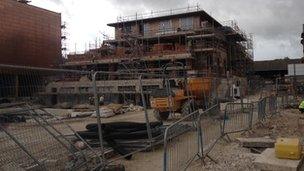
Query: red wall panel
{"x":29,"y":35}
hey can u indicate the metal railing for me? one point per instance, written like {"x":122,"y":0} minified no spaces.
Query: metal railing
{"x":46,"y":142}
{"x":210,"y":129}
{"x":181,"y":150}
{"x":42,"y":142}
{"x":153,"y":14}
{"x":211,"y":125}
{"x":237,"y":118}
{"x":196,"y":139}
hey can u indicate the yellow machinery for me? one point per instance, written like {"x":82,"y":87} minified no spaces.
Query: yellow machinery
{"x":180,"y":99}
{"x":288,"y":148}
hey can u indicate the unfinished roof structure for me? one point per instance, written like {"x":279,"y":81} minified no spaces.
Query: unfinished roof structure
{"x":189,"y":35}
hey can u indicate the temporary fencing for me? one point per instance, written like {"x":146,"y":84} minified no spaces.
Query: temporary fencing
{"x":36,"y":137}
{"x":80,"y":91}
{"x":32,"y":136}
{"x":211,"y":126}
{"x":237,"y":118}
{"x":191,"y":134}
{"x":209,"y":129}
{"x":181,"y":150}
{"x":43,"y":141}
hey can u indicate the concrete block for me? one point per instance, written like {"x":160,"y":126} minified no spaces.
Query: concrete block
{"x":268,"y":162}
{"x":257,"y":142}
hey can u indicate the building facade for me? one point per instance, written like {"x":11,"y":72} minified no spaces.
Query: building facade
{"x":146,"y":43}
{"x":29,"y":36}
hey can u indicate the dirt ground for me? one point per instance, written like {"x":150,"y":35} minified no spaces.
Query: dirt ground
{"x":287,"y":123}
{"x":228,"y":155}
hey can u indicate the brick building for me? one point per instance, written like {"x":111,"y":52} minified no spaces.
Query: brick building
{"x":146,"y":43}
{"x":29,"y":36}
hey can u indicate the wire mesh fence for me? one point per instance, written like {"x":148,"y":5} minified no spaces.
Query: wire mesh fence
{"x":210,"y":129}
{"x":37,"y":102}
{"x":262,"y":109}
{"x":147,"y":131}
{"x":34,"y":105}
{"x":43,"y":141}
{"x":181,"y":150}
{"x":238,"y":117}
{"x":211,"y":126}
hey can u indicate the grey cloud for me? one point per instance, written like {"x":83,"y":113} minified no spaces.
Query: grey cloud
{"x":59,"y":2}
{"x":276,"y":24}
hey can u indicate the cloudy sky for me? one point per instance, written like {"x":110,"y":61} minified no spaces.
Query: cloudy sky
{"x":275,"y":24}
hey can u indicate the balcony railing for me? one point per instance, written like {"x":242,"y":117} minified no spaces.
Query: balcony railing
{"x":154,"y":14}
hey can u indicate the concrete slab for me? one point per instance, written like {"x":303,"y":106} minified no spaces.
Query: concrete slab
{"x":257,"y":142}
{"x":268,"y":162}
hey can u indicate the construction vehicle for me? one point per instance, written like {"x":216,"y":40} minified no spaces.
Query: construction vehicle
{"x":183,"y":97}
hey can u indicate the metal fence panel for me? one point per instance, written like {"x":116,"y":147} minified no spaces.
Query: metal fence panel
{"x":262,"y":109}
{"x":45,"y":139}
{"x":181,"y":145}
{"x":33,"y":136}
{"x":210,"y":129}
{"x":136,"y":89}
{"x":272,"y":105}
{"x":238,"y":117}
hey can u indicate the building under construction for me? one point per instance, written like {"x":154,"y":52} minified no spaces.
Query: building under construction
{"x":147,"y":42}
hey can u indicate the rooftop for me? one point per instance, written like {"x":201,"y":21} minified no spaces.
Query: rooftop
{"x":189,"y":11}
{"x":274,"y":65}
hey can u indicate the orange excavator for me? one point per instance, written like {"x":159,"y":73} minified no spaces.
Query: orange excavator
{"x":185,"y":97}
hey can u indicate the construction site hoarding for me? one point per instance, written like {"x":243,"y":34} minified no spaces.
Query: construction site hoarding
{"x":29,"y":36}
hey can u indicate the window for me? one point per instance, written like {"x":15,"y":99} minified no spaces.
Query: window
{"x":127,"y":29}
{"x":165,"y":26}
{"x":186,"y":23}
{"x":146,"y":29}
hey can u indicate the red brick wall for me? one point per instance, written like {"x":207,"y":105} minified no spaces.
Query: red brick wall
{"x":29,"y":35}
{"x":155,"y":25}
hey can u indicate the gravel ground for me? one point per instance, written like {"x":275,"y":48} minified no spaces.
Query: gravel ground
{"x":285,"y":124}
{"x":229,"y":156}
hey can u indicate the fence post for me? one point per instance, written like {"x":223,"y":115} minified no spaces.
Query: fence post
{"x":96,"y":100}
{"x":145,"y":108}
{"x":200,"y":136}
{"x":165,"y":150}
{"x":224,"y":121}
{"x":250,"y":116}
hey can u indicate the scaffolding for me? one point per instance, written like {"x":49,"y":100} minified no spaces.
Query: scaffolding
{"x":205,"y":46}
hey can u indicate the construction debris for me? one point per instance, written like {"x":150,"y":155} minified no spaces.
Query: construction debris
{"x":121,"y":136}
{"x":64,"y":105}
{"x":116,"y":109}
{"x":83,"y":107}
{"x":268,"y":161}
{"x":256,"y":142}
{"x":104,"y":112}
